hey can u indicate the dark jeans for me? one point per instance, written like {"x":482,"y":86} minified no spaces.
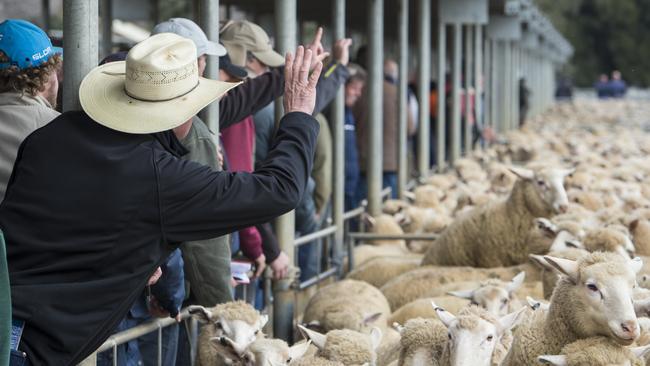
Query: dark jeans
{"x":18,"y":359}
{"x":389,"y":179}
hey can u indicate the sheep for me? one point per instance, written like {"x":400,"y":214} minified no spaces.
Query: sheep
{"x":426,"y":281}
{"x":549,"y":273}
{"x":501,"y":178}
{"x":341,"y":346}
{"x":387,"y":225}
{"x":473,"y":338}
{"x":237,"y":321}
{"x":443,"y":182}
{"x":421,"y":308}
{"x":548,"y":236}
{"x":494,"y":295}
{"x":593,"y":297}
{"x":262,"y":352}
{"x":347,"y":304}
{"x":597,"y":351}
{"x":393,"y":206}
{"x":495,"y":235}
{"x":640,"y":230}
{"x":377,"y":271}
{"x":609,"y":239}
{"x":366,"y":252}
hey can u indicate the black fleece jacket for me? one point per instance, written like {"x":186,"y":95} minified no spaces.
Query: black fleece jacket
{"x":91,"y":212}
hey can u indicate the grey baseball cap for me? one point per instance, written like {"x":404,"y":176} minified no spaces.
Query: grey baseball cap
{"x":188,"y":29}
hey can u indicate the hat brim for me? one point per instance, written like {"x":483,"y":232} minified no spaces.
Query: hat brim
{"x":235,"y":71}
{"x":269,"y":58}
{"x":214,"y":49}
{"x":104,"y":99}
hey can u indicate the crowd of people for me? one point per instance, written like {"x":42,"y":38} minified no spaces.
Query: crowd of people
{"x":132,"y":208}
{"x":611,"y":88}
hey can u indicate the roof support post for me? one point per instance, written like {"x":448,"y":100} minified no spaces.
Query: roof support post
{"x":375,"y":127}
{"x":402,"y":107}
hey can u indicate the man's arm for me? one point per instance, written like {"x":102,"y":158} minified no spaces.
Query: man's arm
{"x":198,"y":203}
{"x":330,"y":82}
{"x":250,"y":97}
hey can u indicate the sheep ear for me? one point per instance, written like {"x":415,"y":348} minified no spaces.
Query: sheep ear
{"x":463,"y":294}
{"x":375,"y":337}
{"x":516,"y":282}
{"x":574,"y":243}
{"x":298,"y":350}
{"x":369,"y":220}
{"x":508,"y":321}
{"x":534,"y":304}
{"x":547,"y":227}
{"x":523,"y":173}
{"x":200,"y":313}
{"x":642,"y":307}
{"x":409,"y":195}
{"x":402,"y":219}
{"x":371,"y":318}
{"x":565,"y":266}
{"x":539,"y":261}
{"x":445,"y":317}
{"x":317,"y":339}
{"x":264,"y":318}
{"x":637,"y":264}
{"x":557,"y":360}
{"x":641,"y":352}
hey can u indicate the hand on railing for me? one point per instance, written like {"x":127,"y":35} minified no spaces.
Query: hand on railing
{"x":280,"y":266}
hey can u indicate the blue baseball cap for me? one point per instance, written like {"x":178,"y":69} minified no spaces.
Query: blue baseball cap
{"x":25,"y":44}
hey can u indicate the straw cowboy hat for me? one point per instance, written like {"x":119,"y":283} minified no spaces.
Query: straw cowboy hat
{"x":157,"y":88}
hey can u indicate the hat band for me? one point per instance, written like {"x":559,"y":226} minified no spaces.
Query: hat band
{"x":160,"y":100}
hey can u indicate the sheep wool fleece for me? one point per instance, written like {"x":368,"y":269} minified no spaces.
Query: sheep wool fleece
{"x":493,"y":235}
{"x":599,"y":351}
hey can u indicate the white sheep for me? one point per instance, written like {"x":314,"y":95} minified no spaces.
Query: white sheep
{"x":495,"y":234}
{"x":341,"y":346}
{"x":495,"y":296}
{"x":379,"y":270}
{"x":597,"y":351}
{"x":236,"y":321}
{"x":262,"y":352}
{"x":474,"y":338}
{"x":347,"y":304}
{"x":594,"y":297}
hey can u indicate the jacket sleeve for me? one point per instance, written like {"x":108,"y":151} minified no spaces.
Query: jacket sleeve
{"x":197,"y":203}
{"x":250,"y":97}
{"x":328,"y":84}
{"x":270,"y":244}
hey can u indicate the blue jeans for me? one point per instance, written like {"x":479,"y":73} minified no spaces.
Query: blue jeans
{"x":16,"y":358}
{"x":148,"y":344}
{"x":389,"y":179}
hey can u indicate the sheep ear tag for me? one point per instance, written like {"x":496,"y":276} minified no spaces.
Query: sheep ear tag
{"x":558,"y":360}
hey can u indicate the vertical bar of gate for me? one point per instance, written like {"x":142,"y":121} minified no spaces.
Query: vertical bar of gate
{"x":424,"y":67}
{"x":338,"y":139}
{"x":209,"y":20}
{"x":402,"y":36}
{"x":456,"y":92}
{"x":107,"y":27}
{"x":440,"y":123}
{"x":285,"y":27}
{"x":469,"y":58}
{"x":375,"y":89}
{"x":159,"y":344}
{"x":80,"y":30}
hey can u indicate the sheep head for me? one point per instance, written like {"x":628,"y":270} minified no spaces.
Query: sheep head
{"x":474,"y":334}
{"x":494,"y":295}
{"x":236,"y":323}
{"x":598,"y":287}
{"x":346,"y":346}
{"x":548,"y":184}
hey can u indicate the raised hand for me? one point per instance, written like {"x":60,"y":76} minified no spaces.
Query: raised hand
{"x":341,"y":51}
{"x":299,"y":85}
{"x":316,"y":47}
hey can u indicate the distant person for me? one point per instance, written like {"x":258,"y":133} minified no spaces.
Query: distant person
{"x":353,"y":91}
{"x":617,"y":85}
{"x":524,"y":101}
{"x":564,"y":89}
{"x":602,"y":87}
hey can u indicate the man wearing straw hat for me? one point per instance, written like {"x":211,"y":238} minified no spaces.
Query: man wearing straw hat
{"x":97,"y":199}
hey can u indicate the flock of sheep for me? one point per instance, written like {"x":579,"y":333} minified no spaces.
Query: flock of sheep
{"x":542,"y":257}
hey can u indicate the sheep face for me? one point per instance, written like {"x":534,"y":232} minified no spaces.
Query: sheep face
{"x":234,"y":325}
{"x":493,"y":296}
{"x":473,"y":338}
{"x":601,"y":288}
{"x":548,"y":184}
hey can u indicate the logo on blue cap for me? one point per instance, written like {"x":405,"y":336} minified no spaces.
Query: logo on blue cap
{"x":25,"y":44}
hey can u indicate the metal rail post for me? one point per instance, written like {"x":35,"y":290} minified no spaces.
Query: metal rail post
{"x":107,"y":27}
{"x":424,"y":70}
{"x":80,"y":29}
{"x":516,"y":71}
{"x":338,"y":137}
{"x":487,"y":81}
{"x":209,"y":20}
{"x":402,"y":36}
{"x":478,"y":74}
{"x":456,"y":93}
{"x":469,"y":58}
{"x":45,"y":5}
{"x":440,"y":120}
{"x":285,"y":26}
{"x":374,"y":168}
{"x":496,"y":91}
